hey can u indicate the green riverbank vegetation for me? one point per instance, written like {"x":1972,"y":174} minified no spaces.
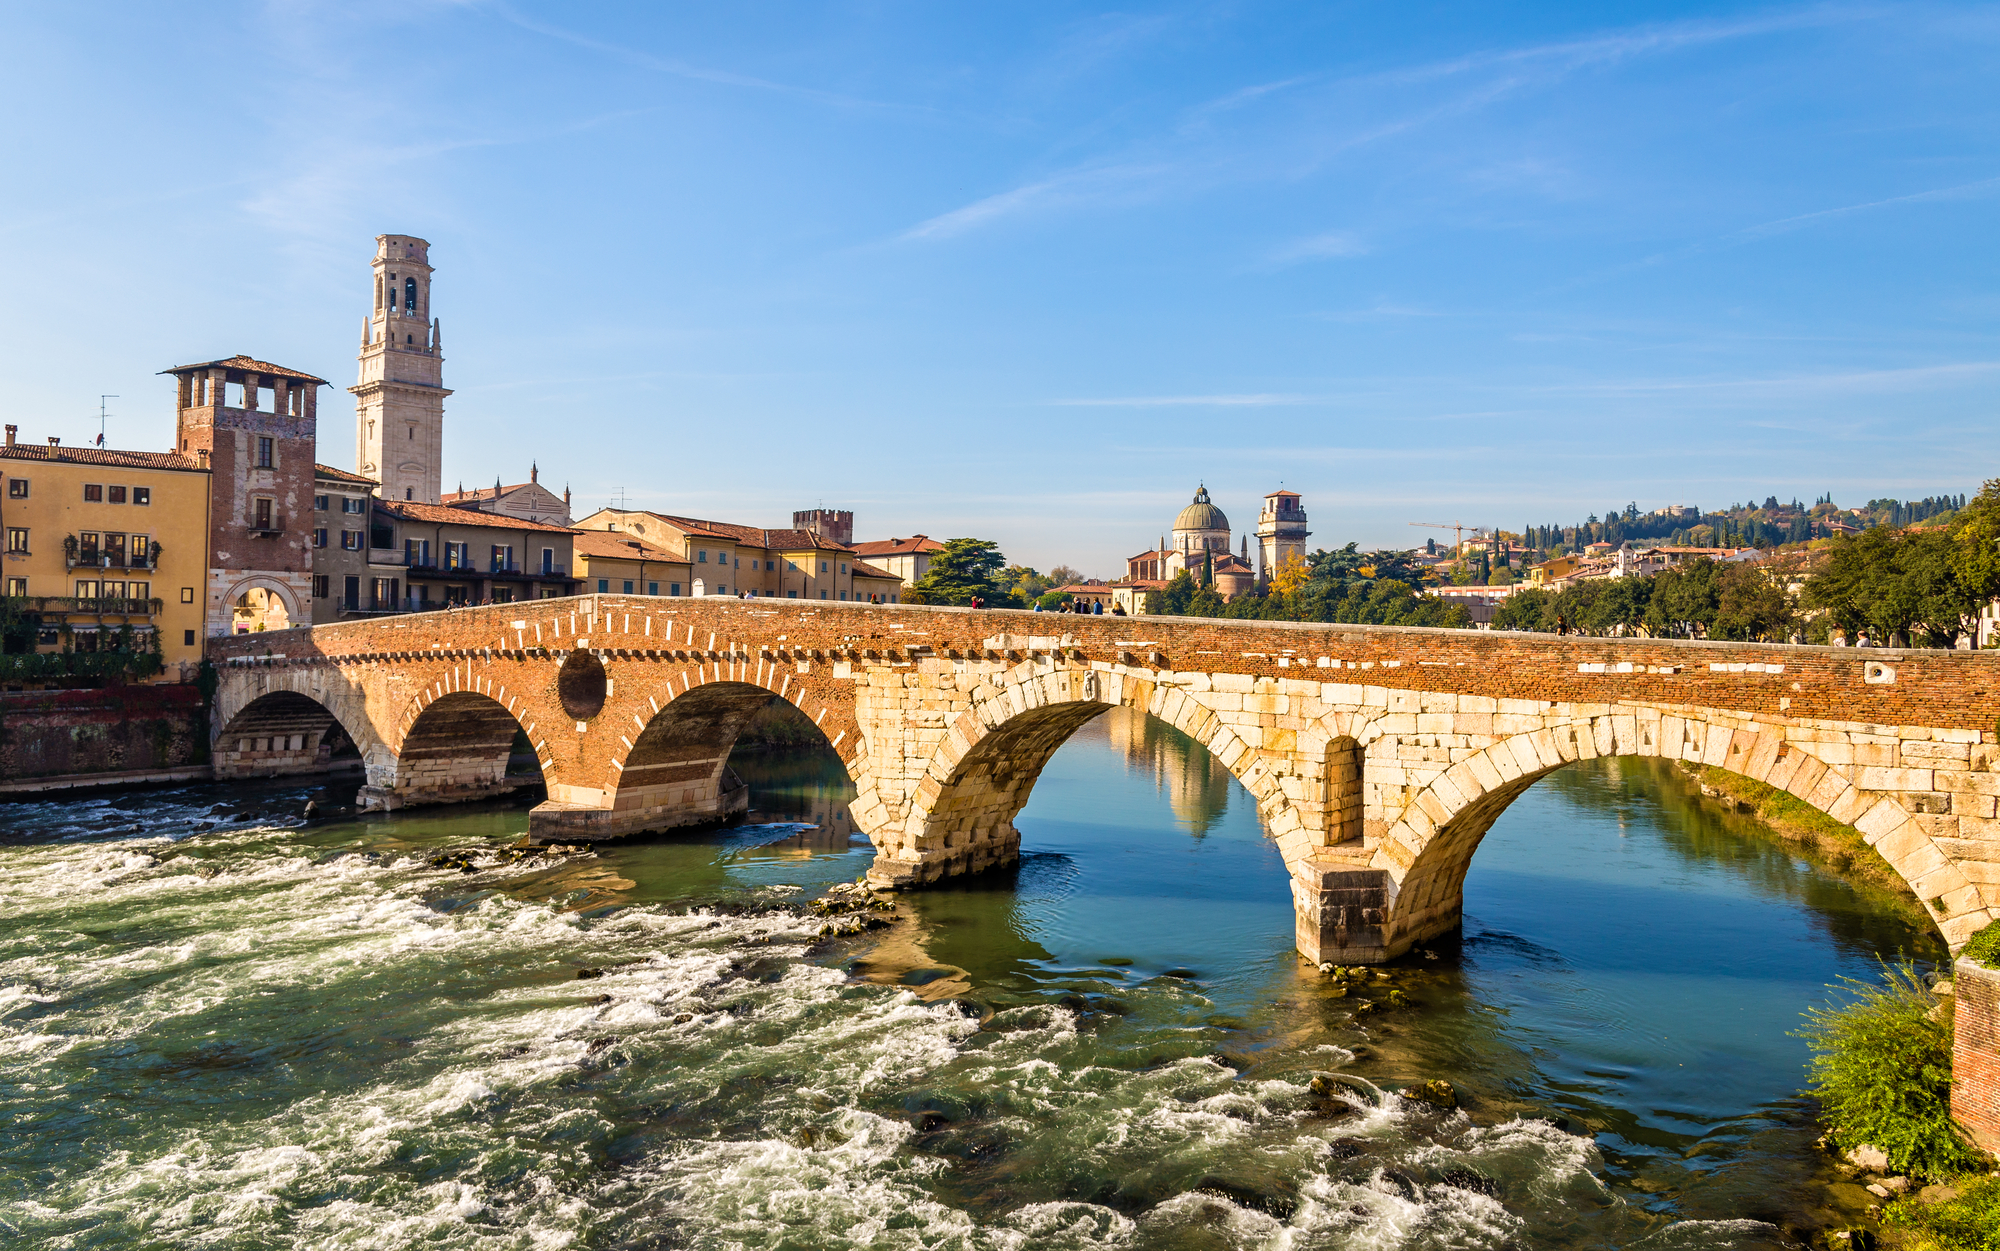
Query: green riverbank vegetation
{"x":1843,"y":847}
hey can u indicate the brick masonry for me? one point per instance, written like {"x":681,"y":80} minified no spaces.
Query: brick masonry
{"x":1975,"y":1052}
{"x":1378,"y":756}
{"x":73,"y":734}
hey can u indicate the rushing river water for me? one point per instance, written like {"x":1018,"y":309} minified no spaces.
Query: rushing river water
{"x":220,"y":1027}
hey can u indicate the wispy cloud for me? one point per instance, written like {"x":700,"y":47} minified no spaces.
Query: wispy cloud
{"x":1334,"y":245}
{"x":679,"y":68}
{"x":1186,"y":401}
{"x":1078,"y":185}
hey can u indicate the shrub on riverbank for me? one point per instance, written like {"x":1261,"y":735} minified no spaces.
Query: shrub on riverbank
{"x":1970,"y":1222}
{"x":1882,"y":1074}
{"x":1984,"y":947}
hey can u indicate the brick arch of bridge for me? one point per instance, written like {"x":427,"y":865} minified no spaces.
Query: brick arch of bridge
{"x":275,"y":720}
{"x":961,"y":815}
{"x":1429,"y":849}
{"x":665,"y":743}
{"x":454,"y":740}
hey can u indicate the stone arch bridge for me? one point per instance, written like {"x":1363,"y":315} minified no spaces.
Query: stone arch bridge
{"x":1378,"y":756}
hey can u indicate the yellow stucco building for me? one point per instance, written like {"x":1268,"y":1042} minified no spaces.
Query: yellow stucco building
{"x":98,"y":541}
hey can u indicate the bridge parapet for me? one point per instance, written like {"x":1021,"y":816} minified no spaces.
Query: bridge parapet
{"x":1378,"y":756}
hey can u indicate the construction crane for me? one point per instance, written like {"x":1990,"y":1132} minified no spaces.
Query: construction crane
{"x":1458,"y":529}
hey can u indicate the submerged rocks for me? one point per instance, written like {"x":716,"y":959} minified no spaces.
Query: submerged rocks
{"x":1871,"y":1158}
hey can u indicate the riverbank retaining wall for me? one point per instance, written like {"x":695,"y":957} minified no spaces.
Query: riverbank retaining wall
{"x":1975,"y":1052}
{"x":113,"y":730}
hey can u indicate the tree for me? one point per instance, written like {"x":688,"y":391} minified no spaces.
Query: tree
{"x":1292,"y":574}
{"x":964,"y":569}
{"x":1025,"y":583}
{"x":1751,"y":606}
{"x":1063,"y":575}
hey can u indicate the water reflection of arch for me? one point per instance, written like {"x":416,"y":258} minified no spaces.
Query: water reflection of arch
{"x":1429,"y":849}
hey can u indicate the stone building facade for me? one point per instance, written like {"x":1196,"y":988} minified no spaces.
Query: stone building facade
{"x":342,"y":505}
{"x":399,"y":400}
{"x":530,"y":500}
{"x":736,"y":560}
{"x":255,"y":426}
{"x":1281,"y":533}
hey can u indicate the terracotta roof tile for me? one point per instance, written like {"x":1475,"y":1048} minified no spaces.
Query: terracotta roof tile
{"x":865,"y":570}
{"x":898,"y":547}
{"x":616,"y":545}
{"x":100,"y":456}
{"x":248,"y":364}
{"x":341,"y":475}
{"x":438,"y":513}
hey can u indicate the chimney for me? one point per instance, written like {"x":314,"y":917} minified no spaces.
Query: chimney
{"x":201,"y":453}
{"x":11,"y":432}
{"x":54,"y":441}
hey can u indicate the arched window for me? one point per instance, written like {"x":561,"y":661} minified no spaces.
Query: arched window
{"x":410,"y":296}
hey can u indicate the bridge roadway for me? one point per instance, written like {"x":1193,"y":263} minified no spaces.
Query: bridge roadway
{"x":1378,"y":756}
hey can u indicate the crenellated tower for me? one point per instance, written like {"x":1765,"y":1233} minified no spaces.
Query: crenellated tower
{"x":399,"y":402}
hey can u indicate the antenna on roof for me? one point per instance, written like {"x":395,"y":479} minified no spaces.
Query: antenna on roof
{"x":102,"y":416}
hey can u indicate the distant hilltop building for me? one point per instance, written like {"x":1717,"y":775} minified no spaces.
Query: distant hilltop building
{"x":1201,"y":546}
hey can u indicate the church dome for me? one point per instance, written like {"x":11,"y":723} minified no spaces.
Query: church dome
{"x":1201,"y":515}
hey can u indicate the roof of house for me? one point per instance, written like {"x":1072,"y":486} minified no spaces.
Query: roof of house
{"x":862,"y":569}
{"x":615,"y":545}
{"x":488,"y":493}
{"x":341,"y":475}
{"x":750,"y":536}
{"x":100,"y":456}
{"x":249,"y":365}
{"x":1094,"y":588}
{"x":438,"y":513}
{"x":898,"y":547}
{"x":1150,"y":554}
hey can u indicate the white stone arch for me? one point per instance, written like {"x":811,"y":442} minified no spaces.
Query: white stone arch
{"x":960,"y":818}
{"x":296,"y":610}
{"x":1425,"y":853}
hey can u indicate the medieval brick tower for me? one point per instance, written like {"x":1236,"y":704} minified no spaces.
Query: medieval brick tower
{"x":399,"y":402}
{"x":1281,"y":533}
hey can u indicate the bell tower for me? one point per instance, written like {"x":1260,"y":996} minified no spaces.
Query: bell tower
{"x":1281,"y":533}
{"x":399,"y":401}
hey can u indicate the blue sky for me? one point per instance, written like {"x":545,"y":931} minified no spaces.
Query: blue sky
{"x":1031,"y":272}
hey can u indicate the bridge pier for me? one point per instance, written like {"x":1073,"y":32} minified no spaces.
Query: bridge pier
{"x":572,"y":817}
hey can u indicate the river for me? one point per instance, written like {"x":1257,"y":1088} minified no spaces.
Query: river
{"x":223,"y":1027}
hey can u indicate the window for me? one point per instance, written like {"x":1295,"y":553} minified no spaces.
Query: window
{"x":350,"y":505}
{"x":843,"y":595}
{"x":17,"y":587}
{"x":409,"y":296}
{"x":822,"y":594}
{"x":117,"y":494}
{"x":822,"y":569}
{"x":263,"y":452}
{"x":322,"y":586}
{"x":604,"y":586}
{"x":319,"y":537}
{"x":17,"y":488}
{"x":548,"y":560}
{"x":843,"y":566}
{"x":458,"y":555}
{"x":86,"y":548}
{"x":673,"y":588}
{"x":771,"y":565}
{"x":142,"y":495}
{"x":187,"y":595}
{"x":417,"y":553}
{"x":93,"y":493}
{"x":261,"y":513}
{"x":628,"y":586}
{"x":791,"y":594}
{"x":351,"y":597}
{"x":701,"y":558}
{"x":737,"y":563}
{"x":114,"y":549}
{"x":384,"y":592}
{"x":140,"y":590}
{"x":503,"y":558}
{"x":187,"y":638}
{"x":350,"y":540}
{"x":652,"y":588}
{"x":413,"y":434}
{"x":17,"y":539}
{"x":320,"y":503}
{"x":86,"y":588}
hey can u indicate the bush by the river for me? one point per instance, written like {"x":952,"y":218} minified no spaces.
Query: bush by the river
{"x":1970,"y":1222}
{"x":1984,"y":947}
{"x":1882,"y":1074}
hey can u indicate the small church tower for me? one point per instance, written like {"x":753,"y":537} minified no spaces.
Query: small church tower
{"x":399,"y":402}
{"x":1281,"y":533}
